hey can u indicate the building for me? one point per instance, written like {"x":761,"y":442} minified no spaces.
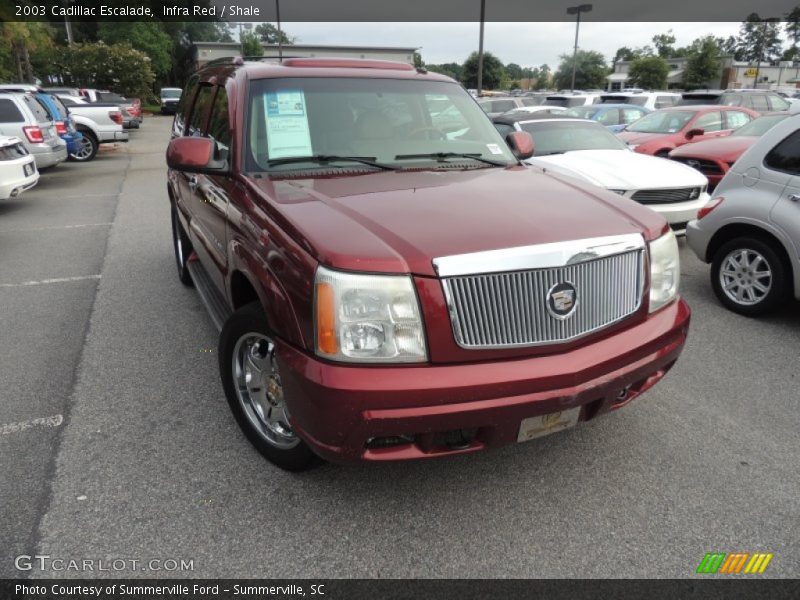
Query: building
{"x":206,"y":51}
{"x":733,"y":74}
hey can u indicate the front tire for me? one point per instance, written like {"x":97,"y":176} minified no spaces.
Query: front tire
{"x":251,"y":379}
{"x":87,"y":148}
{"x":748,"y":276}
{"x":183,"y":249}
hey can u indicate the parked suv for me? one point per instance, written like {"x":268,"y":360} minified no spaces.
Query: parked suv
{"x":650,"y":100}
{"x":750,"y":230}
{"x":22,"y":116}
{"x":386,"y":291}
{"x":758,"y":100}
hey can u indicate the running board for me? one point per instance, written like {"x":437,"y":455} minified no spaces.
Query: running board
{"x":215,"y":304}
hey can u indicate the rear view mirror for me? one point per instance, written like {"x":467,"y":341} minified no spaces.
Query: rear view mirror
{"x":521,"y":144}
{"x":694,"y":133}
{"x":195,"y":155}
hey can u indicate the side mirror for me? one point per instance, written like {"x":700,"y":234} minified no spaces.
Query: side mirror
{"x":521,"y":144}
{"x":195,"y":155}
{"x":694,"y":133}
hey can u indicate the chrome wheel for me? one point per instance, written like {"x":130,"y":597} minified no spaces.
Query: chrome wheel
{"x":85,"y":149}
{"x":745,"y":276}
{"x":259,"y":390}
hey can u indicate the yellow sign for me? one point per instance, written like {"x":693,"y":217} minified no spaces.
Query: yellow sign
{"x":751,"y":72}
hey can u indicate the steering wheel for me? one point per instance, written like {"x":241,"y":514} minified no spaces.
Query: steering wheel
{"x":427,"y":128}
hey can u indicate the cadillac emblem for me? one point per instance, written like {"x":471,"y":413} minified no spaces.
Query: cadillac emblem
{"x":561,"y":300}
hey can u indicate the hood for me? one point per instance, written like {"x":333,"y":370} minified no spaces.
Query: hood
{"x":631,"y":137}
{"x":722,"y":148}
{"x":398,"y":222}
{"x":621,"y":169}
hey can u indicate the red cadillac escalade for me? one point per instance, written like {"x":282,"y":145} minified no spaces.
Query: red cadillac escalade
{"x":390,"y":281}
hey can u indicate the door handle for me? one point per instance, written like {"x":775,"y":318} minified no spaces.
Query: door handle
{"x":193,"y":182}
{"x":794,"y":197}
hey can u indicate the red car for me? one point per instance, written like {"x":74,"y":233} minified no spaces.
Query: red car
{"x":395,"y":285}
{"x":664,"y":130}
{"x":714,"y":157}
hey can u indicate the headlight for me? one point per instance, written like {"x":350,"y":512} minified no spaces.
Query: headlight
{"x":665,"y":270}
{"x":367,"y":318}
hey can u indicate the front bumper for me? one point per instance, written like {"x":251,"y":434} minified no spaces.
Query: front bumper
{"x":341,"y":410}
{"x":680,"y":213}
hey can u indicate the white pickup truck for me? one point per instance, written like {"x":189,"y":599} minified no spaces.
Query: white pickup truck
{"x":99,"y":124}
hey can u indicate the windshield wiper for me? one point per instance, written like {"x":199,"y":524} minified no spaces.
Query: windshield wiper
{"x":325,"y":159}
{"x":443,"y":156}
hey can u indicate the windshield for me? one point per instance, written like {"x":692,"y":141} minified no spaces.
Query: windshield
{"x":668,"y":121}
{"x":557,"y":137}
{"x":760,"y":126}
{"x":170,"y":93}
{"x":582,"y":112}
{"x":384,"y":120}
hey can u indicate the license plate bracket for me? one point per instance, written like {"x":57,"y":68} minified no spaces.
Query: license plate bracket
{"x":541,"y":425}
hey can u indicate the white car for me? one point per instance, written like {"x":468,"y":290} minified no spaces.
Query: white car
{"x":587,"y":151}
{"x":17,"y":168}
{"x":541,"y":109}
{"x":650,"y":100}
{"x":570,"y":100}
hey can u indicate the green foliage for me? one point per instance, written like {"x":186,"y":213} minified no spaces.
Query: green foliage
{"x":590,"y":72}
{"x":704,"y":63}
{"x":759,"y":39}
{"x":118,"y":67}
{"x":454,"y":70}
{"x":269,"y":34}
{"x":418,"y":62}
{"x":494,"y":73}
{"x":649,"y":72}
{"x":147,"y":36}
{"x":18,"y":39}
{"x":665,"y":44}
{"x":251,"y":44}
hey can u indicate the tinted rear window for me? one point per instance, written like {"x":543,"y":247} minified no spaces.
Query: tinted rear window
{"x":699,"y":99}
{"x":786,"y":155}
{"x":9,"y":113}
{"x":36,"y":108}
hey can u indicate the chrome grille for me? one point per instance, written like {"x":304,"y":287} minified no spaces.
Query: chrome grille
{"x":666,"y":196}
{"x":707,"y":167}
{"x":496,"y":310}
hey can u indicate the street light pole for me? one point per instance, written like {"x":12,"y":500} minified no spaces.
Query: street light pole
{"x":576,"y":10}
{"x":280,"y":35}
{"x":480,"y":49}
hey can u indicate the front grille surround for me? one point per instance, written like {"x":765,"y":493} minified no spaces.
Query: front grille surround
{"x":668,"y":195}
{"x":509,"y":309}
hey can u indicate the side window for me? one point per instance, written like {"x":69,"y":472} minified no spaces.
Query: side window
{"x":731,"y":100}
{"x":736,"y":119}
{"x":786,"y":155}
{"x":778,"y":103}
{"x":199,"y":111}
{"x":218,"y":123}
{"x":609,"y":117}
{"x":503,"y":105}
{"x":709,"y":122}
{"x":36,"y":108}
{"x":9,"y":113}
{"x":629,"y":115}
{"x":664,"y":101}
{"x":760,"y":102}
{"x":184,"y":102}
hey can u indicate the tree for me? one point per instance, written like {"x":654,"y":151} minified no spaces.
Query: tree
{"x":25,"y":49}
{"x":147,"y":36}
{"x":269,"y":34}
{"x":514,"y":71}
{"x":759,"y":39}
{"x":118,"y":67}
{"x":590,"y":72}
{"x":624,"y":53}
{"x":251,"y":44}
{"x":665,"y":44}
{"x":649,"y":72}
{"x":792,"y":33}
{"x":418,"y":62}
{"x":703,"y":64}
{"x":454,"y":70}
{"x":493,"y":72}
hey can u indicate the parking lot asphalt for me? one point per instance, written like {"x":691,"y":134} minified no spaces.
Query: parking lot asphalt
{"x":149,"y":464}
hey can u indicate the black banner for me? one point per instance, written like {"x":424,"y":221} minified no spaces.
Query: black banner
{"x":733,"y":588}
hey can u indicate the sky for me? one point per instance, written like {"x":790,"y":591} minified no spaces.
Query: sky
{"x":527,"y":44}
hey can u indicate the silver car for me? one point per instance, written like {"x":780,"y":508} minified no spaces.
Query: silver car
{"x":750,"y":230}
{"x":22,"y":116}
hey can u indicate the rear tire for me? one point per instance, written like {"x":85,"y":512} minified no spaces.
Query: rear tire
{"x":183,"y":249}
{"x":87,"y":148}
{"x":748,"y":276}
{"x":250,"y":375}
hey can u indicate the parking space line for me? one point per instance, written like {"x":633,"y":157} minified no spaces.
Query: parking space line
{"x":54,"y":227}
{"x":52,"y":421}
{"x":47,"y":281}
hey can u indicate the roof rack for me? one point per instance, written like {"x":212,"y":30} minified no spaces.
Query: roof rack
{"x":312,"y":61}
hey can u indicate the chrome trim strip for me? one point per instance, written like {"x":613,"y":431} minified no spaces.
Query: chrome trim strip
{"x":542,"y":256}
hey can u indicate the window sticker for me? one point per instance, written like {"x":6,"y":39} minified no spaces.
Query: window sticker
{"x":287,"y":124}
{"x":494,"y":148}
